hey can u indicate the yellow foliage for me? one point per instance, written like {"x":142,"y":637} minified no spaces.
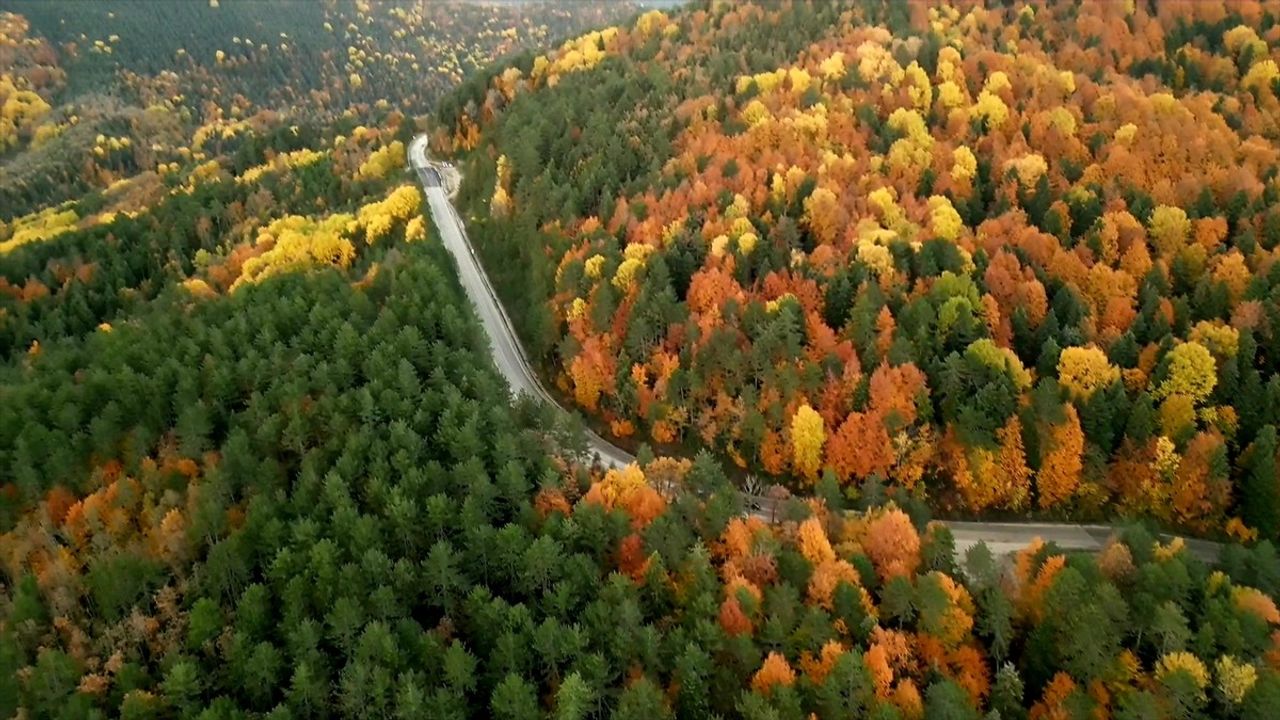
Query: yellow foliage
{"x":1192,"y":372}
{"x":378,"y":218}
{"x":944,"y":219}
{"x":1235,"y":678}
{"x":991,"y":108}
{"x":1260,"y":76}
{"x":39,"y":227}
{"x":877,"y":258}
{"x":383,"y":161}
{"x":918,"y":87}
{"x":415,"y":229}
{"x":800,"y":80}
{"x":1239,"y":36}
{"x":1062,"y":119}
{"x":821,"y":214}
{"x":964,"y":164}
{"x":1166,"y":458}
{"x":1000,"y":358}
{"x":807,"y":438}
{"x":718,"y":245}
{"x":813,"y":542}
{"x":911,"y":124}
{"x":637,"y":251}
{"x":950,"y":95}
{"x":208,"y":171}
{"x":875,"y":62}
{"x":295,"y":159}
{"x":1030,"y":169}
{"x":650,"y":22}
{"x":996,"y":82}
{"x":1183,"y":662}
{"x":625,"y":276}
{"x":1222,"y":340}
{"x":1177,"y":414}
{"x":833,"y":67}
{"x":198,"y":288}
{"x":45,"y":133}
{"x":299,"y":242}
{"x":755,"y":112}
{"x":1085,"y":370}
{"x":593,"y":266}
{"x":882,"y":199}
{"x":500,"y":203}
{"x":1169,"y":228}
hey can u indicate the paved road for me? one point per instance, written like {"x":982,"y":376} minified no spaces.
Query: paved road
{"x":1001,"y":538}
{"x":507,"y":353}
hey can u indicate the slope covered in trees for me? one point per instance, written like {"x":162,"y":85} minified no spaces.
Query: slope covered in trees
{"x":255,"y":463}
{"x":1010,"y":259}
{"x":92,"y":92}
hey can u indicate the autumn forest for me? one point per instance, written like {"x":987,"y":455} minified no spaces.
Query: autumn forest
{"x":890,"y":264}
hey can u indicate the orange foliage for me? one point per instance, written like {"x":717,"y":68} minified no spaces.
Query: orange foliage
{"x":969,"y":670}
{"x":877,"y":661}
{"x":892,"y":543}
{"x":860,"y":447}
{"x":813,"y":543}
{"x":906,"y":697}
{"x":632,"y":559}
{"x":627,"y":490}
{"x":551,"y":500}
{"x":1059,"y":474}
{"x":817,"y":669}
{"x":732,"y":620}
{"x":1052,"y":705}
{"x":774,"y":672}
{"x":827,"y":576}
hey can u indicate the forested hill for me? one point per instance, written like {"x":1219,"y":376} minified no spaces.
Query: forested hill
{"x":152,"y":71}
{"x":255,"y":461}
{"x":1011,"y":260}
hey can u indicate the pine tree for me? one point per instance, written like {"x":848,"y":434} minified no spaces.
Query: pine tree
{"x":1260,"y":485}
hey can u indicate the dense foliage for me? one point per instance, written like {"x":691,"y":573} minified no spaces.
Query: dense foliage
{"x":93,"y":92}
{"x":255,"y":462}
{"x":1014,"y":259}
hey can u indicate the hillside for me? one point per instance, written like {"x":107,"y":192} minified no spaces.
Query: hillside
{"x":1010,"y":261}
{"x":139,"y":70}
{"x":256,"y":460}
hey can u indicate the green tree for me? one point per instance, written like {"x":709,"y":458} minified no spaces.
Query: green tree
{"x":514,"y":699}
{"x":1259,"y":492}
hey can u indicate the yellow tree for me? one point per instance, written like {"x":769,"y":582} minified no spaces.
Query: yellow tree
{"x":807,"y":438}
{"x":1085,"y":370}
{"x":1192,"y":372}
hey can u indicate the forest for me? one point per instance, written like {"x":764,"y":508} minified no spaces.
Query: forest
{"x":255,"y":461}
{"x":1013,"y":261}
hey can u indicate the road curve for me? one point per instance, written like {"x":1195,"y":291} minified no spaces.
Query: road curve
{"x":507,"y":353}
{"x":508,"y":356}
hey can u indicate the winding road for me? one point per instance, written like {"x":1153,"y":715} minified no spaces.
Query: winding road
{"x":437,"y":179}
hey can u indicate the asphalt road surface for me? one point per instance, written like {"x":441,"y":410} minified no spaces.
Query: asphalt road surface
{"x":508,"y":356}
